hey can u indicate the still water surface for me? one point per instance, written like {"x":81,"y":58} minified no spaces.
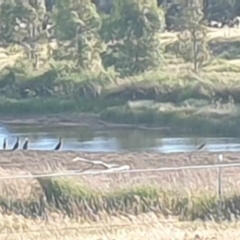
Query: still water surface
{"x":92,"y":140}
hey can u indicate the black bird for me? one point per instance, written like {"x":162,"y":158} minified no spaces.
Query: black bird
{"x":25,"y":145}
{"x":44,"y":25}
{"x":201,"y":146}
{"x":4,"y":143}
{"x":59,"y":145}
{"x":16,"y":145}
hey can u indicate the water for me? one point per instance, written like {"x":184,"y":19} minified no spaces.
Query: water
{"x":92,"y":140}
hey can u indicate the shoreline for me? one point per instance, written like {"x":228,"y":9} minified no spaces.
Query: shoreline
{"x":226,"y":126}
{"x":72,"y":119}
{"x":101,"y":113}
{"x":93,"y":120}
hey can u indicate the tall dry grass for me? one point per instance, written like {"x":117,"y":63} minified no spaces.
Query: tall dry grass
{"x":186,"y":194}
{"x":155,"y":192}
{"x":146,"y":226}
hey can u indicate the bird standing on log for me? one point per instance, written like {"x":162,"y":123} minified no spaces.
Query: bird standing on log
{"x":4,"y":143}
{"x":25,"y":145}
{"x":16,"y":145}
{"x":59,"y":145}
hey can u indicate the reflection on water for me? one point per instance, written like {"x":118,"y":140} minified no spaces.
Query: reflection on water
{"x":92,"y":140}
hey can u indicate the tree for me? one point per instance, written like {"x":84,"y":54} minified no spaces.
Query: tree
{"x":192,"y":41}
{"x":76,"y":28}
{"x":134,"y":30}
{"x":220,"y":10}
{"x":20,"y":23}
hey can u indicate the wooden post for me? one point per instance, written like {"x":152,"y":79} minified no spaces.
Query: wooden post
{"x":220,"y":158}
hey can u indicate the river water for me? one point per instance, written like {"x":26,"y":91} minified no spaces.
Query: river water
{"x":92,"y":140}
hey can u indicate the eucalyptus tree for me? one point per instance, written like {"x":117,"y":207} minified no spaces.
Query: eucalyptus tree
{"x":133,"y":35}
{"x":76,"y":29}
{"x":193,"y":46}
{"x":20,"y":23}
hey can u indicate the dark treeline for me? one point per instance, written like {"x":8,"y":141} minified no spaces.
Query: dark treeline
{"x":217,"y":10}
{"x":213,"y":10}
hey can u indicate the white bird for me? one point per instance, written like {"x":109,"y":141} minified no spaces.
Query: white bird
{"x":215,"y":24}
{"x":236,"y":22}
{"x":220,"y":157}
{"x":21,"y":24}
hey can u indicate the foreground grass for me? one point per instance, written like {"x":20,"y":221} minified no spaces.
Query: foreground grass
{"x":133,"y":206}
{"x":147,"y":226}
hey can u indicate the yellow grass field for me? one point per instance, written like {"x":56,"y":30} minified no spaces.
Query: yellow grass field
{"x":144,"y":227}
{"x":213,"y":34}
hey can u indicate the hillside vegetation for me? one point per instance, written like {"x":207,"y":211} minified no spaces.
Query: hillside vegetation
{"x":77,"y":58}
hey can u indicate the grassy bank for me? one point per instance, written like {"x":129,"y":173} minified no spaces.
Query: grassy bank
{"x":204,"y":118}
{"x":189,"y":116}
{"x":51,"y":105}
{"x":36,"y":106}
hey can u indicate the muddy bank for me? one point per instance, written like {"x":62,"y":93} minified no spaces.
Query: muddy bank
{"x":71,"y":119}
{"x":51,"y":119}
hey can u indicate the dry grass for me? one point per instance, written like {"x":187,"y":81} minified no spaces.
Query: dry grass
{"x":43,"y":160}
{"x":8,"y":60}
{"x":147,"y":226}
{"x":18,"y":188}
{"x":22,"y":163}
{"x":213,"y":34}
{"x":16,"y":53}
{"x":121,"y":226}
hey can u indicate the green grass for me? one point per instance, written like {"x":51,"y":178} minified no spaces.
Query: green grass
{"x":36,"y":106}
{"x":53,"y":105}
